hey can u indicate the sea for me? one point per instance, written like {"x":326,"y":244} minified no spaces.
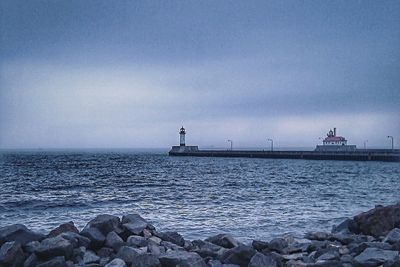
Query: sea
{"x":197,"y":197}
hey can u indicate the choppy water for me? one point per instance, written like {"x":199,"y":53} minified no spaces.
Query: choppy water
{"x":198,"y":197}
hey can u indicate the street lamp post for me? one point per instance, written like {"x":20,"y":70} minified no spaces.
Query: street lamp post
{"x":365,"y":144}
{"x":272,"y":143}
{"x":230,"y":141}
{"x":391,"y":137}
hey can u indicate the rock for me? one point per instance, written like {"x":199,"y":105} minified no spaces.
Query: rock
{"x":146,"y":260}
{"x":346,"y":227}
{"x":63,"y":228}
{"x":375,"y":257}
{"x":358,"y":248}
{"x":329,"y":255}
{"x":147,"y":233}
{"x":378,"y":221}
{"x":206,"y":249}
{"x":320,"y":236}
{"x":31,"y":246}
{"x":344,"y":239}
{"x":278,"y":244}
{"x":137,"y":241}
{"x":171,"y":246}
{"x":31,"y":261}
{"x":295,"y":248}
{"x":135,"y":224}
{"x":327,"y":263}
{"x":261,"y":260}
{"x":393,"y":236}
{"x":181,"y":258}
{"x":155,"y":250}
{"x":259,"y":245}
{"x":54,"y":262}
{"x":90,"y":257}
{"x":295,"y":256}
{"x":18,"y":233}
{"x":105,"y":223}
{"x":128,"y":254}
{"x":105,"y":252}
{"x":54,"y":246}
{"x":76,"y":240}
{"x":116,"y":263}
{"x":172,"y":237}
{"x":11,"y":253}
{"x":343,"y":250}
{"x":113,"y":240}
{"x":155,"y":240}
{"x":78,"y":253}
{"x":240,"y":255}
{"x":95,"y":236}
{"x":214,"y":263}
{"x":346,"y":258}
{"x":223,"y":240}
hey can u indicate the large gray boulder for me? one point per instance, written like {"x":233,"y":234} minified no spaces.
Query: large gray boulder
{"x":95,"y":236}
{"x":134,"y":224}
{"x":357,"y":248}
{"x":31,"y":261}
{"x":113,"y":240}
{"x":172,"y":237}
{"x":76,"y":240}
{"x":347,"y":227}
{"x":240,"y":255}
{"x":207,"y":249}
{"x":63,"y":228}
{"x":259,"y":245}
{"x":378,"y":221}
{"x":54,"y":262}
{"x":31,"y":246}
{"x":105,"y":223}
{"x":137,"y":241}
{"x":278,"y":244}
{"x":393,"y":236}
{"x":11,"y":253}
{"x":117,"y":262}
{"x":90,"y":257}
{"x":128,"y":254}
{"x":261,"y":260}
{"x":375,"y":257}
{"x":181,"y":258}
{"x":223,"y":240}
{"x":54,"y":246}
{"x":146,"y":260}
{"x":18,"y":233}
{"x":171,"y":246}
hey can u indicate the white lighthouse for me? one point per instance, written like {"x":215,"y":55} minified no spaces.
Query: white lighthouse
{"x":182,"y":133}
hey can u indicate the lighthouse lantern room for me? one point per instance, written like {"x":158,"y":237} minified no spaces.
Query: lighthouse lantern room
{"x":182,"y":133}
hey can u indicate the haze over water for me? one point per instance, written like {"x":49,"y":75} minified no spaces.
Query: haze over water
{"x":198,"y":197}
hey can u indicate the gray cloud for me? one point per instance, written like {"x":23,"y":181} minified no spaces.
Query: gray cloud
{"x":95,"y":74}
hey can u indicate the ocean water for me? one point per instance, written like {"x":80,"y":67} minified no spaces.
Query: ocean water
{"x":198,"y":197}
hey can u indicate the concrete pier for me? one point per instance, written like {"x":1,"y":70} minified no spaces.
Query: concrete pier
{"x":355,"y":155}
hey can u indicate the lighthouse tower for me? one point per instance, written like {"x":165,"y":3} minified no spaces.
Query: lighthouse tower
{"x":182,"y":133}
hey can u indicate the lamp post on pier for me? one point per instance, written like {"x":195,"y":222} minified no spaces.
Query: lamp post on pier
{"x":365,"y":144}
{"x":230,"y":141}
{"x":391,"y":137}
{"x":272,"y":143}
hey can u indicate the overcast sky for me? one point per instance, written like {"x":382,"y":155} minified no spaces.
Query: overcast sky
{"x":129,"y":74}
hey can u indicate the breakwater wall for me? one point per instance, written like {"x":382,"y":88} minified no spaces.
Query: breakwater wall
{"x":357,"y":155}
{"x":371,"y":239}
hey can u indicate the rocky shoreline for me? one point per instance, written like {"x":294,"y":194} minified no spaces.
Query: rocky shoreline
{"x":371,"y":238}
